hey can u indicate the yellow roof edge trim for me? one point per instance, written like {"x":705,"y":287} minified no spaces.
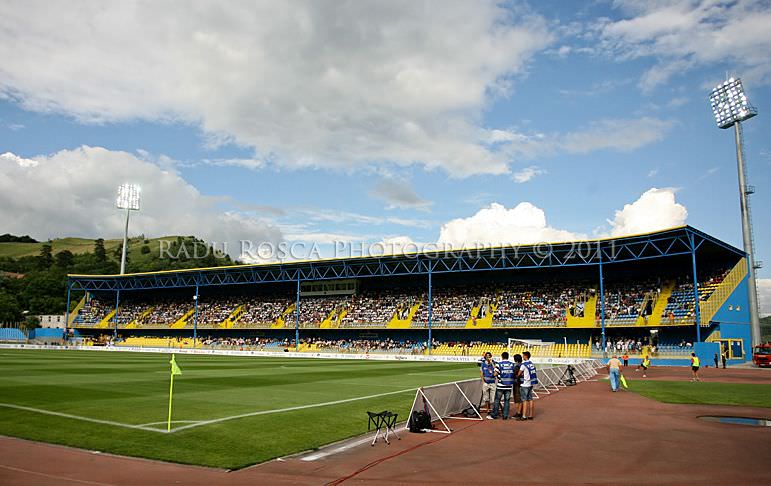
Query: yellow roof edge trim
{"x":325,"y":260}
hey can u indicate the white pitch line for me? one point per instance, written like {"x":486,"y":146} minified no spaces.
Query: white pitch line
{"x":173,"y":422}
{"x":288,"y":409}
{"x":78,"y":417}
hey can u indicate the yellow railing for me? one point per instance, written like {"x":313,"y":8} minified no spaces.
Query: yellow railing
{"x":661,"y":304}
{"x":182,"y":321}
{"x":105,"y":322}
{"x":136,"y":322}
{"x":233,"y":317}
{"x":709,"y":308}
{"x":74,"y":312}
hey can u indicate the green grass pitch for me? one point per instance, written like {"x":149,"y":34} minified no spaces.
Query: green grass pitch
{"x":131,"y":389}
{"x":705,"y":393}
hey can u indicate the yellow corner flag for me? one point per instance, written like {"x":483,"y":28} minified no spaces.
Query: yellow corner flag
{"x":623,"y":381}
{"x":174,"y":371}
{"x":174,"y":368}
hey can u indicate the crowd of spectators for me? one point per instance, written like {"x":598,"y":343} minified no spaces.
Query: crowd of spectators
{"x":622,"y":345}
{"x":547,"y":304}
{"x":316,"y":309}
{"x":216,"y":310}
{"x":379,"y":306}
{"x":92,"y":312}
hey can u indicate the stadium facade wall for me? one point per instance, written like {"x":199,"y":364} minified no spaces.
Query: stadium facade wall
{"x":732,"y":320}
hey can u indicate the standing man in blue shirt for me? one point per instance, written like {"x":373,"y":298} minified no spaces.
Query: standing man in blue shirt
{"x":504,"y":372}
{"x":528,"y":379}
{"x":487,"y":371}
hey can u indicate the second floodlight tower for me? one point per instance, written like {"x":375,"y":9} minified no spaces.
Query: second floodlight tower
{"x":731,"y":107}
{"x":128,"y":199}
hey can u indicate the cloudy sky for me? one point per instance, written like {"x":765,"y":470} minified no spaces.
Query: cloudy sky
{"x":450,"y":122}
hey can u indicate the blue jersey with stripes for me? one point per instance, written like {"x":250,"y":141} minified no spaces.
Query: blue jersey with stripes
{"x":506,"y":374}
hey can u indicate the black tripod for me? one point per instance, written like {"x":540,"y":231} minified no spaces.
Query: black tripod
{"x":568,"y":377}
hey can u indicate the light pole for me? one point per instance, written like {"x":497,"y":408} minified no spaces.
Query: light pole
{"x":128,"y":199}
{"x":731,"y":107}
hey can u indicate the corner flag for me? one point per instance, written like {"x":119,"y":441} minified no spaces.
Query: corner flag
{"x":174,"y":371}
{"x":174,"y":368}
{"x":623,"y":381}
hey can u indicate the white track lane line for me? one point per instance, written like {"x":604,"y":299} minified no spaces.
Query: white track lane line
{"x":78,"y":417}
{"x":288,"y":409}
{"x":336,"y":450}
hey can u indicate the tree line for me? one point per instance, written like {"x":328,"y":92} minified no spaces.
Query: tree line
{"x":37,"y":285}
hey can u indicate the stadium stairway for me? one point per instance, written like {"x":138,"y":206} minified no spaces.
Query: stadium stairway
{"x":656,"y":318}
{"x":396,"y":323}
{"x":74,"y":312}
{"x":234,"y":316}
{"x":105,"y":322}
{"x":589,"y":317}
{"x":329,"y":321}
{"x":720,"y":292}
{"x":182,"y":321}
{"x":486,"y":322}
{"x":282,"y":319}
{"x":135,"y":323}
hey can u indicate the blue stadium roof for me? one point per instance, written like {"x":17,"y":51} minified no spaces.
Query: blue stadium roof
{"x":683,"y":240}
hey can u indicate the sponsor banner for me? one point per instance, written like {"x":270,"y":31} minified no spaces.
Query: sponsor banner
{"x":284,"y":354}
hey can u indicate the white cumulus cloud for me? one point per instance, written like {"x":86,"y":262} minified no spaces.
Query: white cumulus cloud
{"x":526,"y":223}
{"x":498,"y":225}
{"x":305,"y":83}
{"x":72,"y":193}
{"x":15,"y":159}
{"x":655,"y":209}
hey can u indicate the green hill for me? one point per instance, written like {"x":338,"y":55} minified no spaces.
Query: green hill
{"x":143,"y":254}
{"x":33,"y":276}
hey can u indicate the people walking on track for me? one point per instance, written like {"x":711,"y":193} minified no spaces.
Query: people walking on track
{"x":695,"y":367}
{"x":645,"y":364}
{"x":614,"y":373}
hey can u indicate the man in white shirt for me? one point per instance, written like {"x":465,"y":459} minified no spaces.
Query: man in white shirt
{"x":528,"y":378}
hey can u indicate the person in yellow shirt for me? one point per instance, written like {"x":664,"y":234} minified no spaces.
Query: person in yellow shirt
{"x":695,"y":367}
{"x":646,"y":362}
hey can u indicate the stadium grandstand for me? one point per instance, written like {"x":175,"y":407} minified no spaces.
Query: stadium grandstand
{"x":657,"y":293}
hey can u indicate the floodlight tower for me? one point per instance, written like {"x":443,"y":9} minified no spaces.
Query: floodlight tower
{"x":731,"y":107}
{"x":128,"y":199}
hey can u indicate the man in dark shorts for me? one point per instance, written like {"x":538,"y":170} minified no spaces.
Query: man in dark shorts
{"x":516,"y":393}
{"x":646,"y":362}
{"x":695,"y":363}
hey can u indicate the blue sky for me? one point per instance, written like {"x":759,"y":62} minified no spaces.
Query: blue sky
{"x":397,"y":121}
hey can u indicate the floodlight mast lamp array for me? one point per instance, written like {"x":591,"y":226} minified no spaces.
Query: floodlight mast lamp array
{"x":128,"y":199}
{"x":731,"y":107}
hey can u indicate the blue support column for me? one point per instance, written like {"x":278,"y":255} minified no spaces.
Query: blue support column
{"x":117,"y":303}
{"x":697,"y":311}
{"x":602,"y":306}
{"x":67,"y":310}
{"x":297,"y":317}
{"x":430,"y":311}
{"x":195,"y":318}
